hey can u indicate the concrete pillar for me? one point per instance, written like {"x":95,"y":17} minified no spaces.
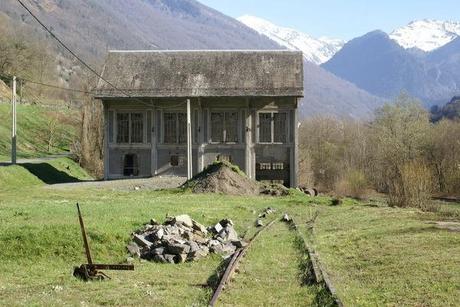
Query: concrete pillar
{"x":153,"y":141}
{"x":294,"y":149}
{"x":189,"y":142}
{"x":200,"y":141}
{"x":248,"y":140}
{"x":106,"y":140}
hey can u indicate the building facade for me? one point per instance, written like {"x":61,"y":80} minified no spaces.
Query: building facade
{"x":175,"y":112}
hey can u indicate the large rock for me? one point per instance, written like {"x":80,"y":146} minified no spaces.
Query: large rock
{"x":199,"y":227}
{"x":184,"y":219}
{"x":198,"y":254}
{"x":228,"y":233}
{"x":169,"y":258}
{"x":133,"y":249}
{"x":178,"y":249}
{"x":141,"y":241}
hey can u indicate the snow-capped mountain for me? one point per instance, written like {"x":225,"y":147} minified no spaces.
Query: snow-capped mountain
{"x":314,"y":50}
{"x":426,"y":34}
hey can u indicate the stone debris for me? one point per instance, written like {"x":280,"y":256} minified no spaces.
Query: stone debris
{"x":273,"y":189}
{"x":266,"y":212}
{"x":259,"y":223}
{"x":286,"y":218}
{"x":181,"y":239}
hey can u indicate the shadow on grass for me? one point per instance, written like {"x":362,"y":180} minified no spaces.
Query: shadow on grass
{"x":48,"y":174}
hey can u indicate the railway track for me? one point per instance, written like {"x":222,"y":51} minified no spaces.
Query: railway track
{"x":320,"y":274}
{"x":233,"y":264}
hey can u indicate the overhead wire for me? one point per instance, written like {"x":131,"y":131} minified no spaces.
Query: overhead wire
{"x":77,"y":57}
{"x":45,"y":84}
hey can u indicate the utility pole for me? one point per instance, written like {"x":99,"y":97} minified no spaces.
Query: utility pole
{"x":13,"y":130}
{"x":189,"y":142}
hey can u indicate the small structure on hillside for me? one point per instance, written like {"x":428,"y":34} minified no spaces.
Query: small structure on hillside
{"x":175,"y":112}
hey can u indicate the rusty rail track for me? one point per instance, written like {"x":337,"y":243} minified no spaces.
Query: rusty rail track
{"x":233,"y":264}
{"x":321,"y":275}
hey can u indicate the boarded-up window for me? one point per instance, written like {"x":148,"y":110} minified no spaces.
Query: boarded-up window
{"x":174,"y":128}
{"x":137,"y":128}
{"x":272,"y":127}
{"x":279,"y":127}
{"x":122,"y":127}
{"x":224,"y":127}
{"x":265,"y":128}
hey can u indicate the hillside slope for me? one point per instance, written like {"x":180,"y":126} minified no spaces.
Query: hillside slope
{"x":94,"y":26}
{"x":41,"y":130}
{"x":91,"y":27}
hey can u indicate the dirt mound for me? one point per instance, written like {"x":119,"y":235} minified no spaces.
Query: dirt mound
{"x":225,"y":178}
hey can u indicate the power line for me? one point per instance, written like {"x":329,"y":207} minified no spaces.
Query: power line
{"x":46,"y":84}
{"x":57,"y":87}
{"x":75,"y":55}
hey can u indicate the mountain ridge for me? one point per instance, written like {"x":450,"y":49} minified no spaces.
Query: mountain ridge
{"x":316,"y":50}
{"x":379,"y":65}
{"x":92,"y":27}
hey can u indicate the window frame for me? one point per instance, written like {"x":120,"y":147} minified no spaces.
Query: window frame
{"x":177,"y":127}
{"x":224,"y":129}
{"x":115,"y":127}
{"x":272,"y":126}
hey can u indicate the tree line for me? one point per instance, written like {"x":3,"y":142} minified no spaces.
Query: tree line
{"x":400,"y":152}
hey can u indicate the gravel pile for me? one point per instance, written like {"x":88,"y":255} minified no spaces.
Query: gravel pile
{"x":181,"y":239}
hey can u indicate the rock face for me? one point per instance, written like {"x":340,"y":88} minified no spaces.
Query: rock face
{"x":181,"y":239}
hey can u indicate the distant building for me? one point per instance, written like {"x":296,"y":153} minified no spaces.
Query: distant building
{"x":243,"y":108}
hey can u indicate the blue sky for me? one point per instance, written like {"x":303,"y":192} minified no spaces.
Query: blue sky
{"x":344,"y":19}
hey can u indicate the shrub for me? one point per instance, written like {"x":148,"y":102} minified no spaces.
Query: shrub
{"x":353,"y":184}
{"x":414,"y":187}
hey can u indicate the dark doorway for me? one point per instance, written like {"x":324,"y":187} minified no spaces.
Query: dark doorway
{"x":130,"y":165}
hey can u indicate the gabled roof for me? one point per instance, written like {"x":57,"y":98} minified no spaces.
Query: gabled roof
{"x":202,"y":73}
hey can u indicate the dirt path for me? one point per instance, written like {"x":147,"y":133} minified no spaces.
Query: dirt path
{"x":154,"y":183}
{"x":36,"y":160}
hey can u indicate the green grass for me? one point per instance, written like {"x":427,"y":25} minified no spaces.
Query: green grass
{"x":388,"y":256}
{"x":276,"y":280}
{"x":34,"y":174}
{"x":375,"y":255}
{"x":40,"y":243}
{"x":34,"y":126}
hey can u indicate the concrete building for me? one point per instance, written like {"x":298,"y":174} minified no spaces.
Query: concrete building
{"x":175,"y":112}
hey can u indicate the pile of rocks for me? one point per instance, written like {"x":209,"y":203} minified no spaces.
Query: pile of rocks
{"x":264,"y":214}
{"x":181,"y":238}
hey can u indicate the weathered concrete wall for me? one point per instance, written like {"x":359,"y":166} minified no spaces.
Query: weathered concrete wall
{"x":155,"y":157}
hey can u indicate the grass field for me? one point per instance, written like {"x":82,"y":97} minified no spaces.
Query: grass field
{"x":375,"y":255}
{"x":36,"y":125}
